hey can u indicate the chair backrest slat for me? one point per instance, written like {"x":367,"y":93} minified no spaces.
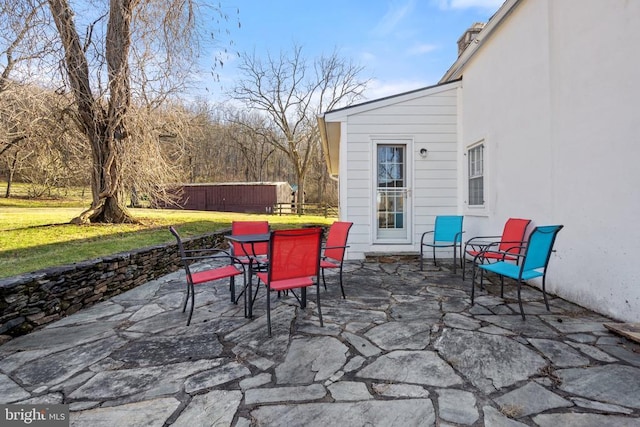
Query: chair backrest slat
{"x":448,"y":228}
{"x":294,"y":253}
{"x":539,"y":247}
{"x":249,"y":227}
{"x":337,"y":240}
{"x":514,"y":230}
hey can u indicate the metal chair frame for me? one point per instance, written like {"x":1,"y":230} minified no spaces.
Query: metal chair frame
{"x":189,"y":256}
{"x":493,"y":246}
{"x":533,"y":263}
{"x":294,"y":263}
{"x":334,"y":250}
{"x":447,"y":233}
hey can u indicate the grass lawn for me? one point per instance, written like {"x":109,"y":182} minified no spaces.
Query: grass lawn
{"x":35,"y":234}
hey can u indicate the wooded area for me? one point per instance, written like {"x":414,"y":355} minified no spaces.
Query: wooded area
{"x":95,"y":95}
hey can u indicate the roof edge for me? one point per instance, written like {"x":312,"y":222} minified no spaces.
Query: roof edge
{"x":455,"y":71}
{"x":363,"y":105}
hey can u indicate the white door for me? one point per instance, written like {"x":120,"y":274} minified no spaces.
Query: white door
{"x":392,"y":191}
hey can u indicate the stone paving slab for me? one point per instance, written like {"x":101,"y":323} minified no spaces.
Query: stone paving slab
{"x":405,"y":348}
{"x":398,"y":413}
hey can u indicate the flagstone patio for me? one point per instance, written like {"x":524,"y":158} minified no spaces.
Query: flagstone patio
{"x":406,"y":348}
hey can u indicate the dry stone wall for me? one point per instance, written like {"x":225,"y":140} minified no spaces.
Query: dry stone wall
{"x":32,"y":300}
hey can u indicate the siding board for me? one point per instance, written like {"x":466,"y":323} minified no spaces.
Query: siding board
{"x":428,"y":121}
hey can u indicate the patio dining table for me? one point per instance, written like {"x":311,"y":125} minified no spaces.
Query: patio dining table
{"x":254,"y":260}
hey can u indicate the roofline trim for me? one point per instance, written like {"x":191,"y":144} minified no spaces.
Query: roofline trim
{"x":455,"y":71}
{"x":371,"y":103}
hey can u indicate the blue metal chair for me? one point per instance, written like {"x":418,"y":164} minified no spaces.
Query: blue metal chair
{"x":533,"y":262}
{"x":447,"y":233}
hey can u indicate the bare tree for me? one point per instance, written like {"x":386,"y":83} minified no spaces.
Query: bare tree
{"x":291,"y":92}
{"x":34,"y":132}
{"x":159,"y":37}
{"x":250,"y":134}
{"x":25,"y":39}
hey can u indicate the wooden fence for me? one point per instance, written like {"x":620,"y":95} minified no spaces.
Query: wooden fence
{"x":318,"y":209}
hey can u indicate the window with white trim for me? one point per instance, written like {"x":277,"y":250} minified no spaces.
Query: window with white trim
{"x":475,"y":155}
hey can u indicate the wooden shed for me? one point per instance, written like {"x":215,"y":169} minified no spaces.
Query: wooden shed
{"x":246,"y":197}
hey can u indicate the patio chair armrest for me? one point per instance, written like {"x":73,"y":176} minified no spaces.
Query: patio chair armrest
{"x":515,"y":244}
{"x":476,"y":238}
{"x":211,"y":253}
{"x":519,"y":248}
{"x":202,"y":257}
{"x":205,"y":250}
{"x":424,"y":234}
{"x":482,"y":254}
{"x":335,"y":247}
{"x":480,"y":246}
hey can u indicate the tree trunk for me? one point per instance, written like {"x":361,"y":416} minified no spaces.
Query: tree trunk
{"x":300,"y":177}
{"x":12,"y":170}
{"x":105,"y":128}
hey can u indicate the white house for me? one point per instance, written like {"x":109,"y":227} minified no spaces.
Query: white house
{"x":543,"y":107}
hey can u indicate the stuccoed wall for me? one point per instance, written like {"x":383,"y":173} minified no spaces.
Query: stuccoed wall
{"x":32,"y":300}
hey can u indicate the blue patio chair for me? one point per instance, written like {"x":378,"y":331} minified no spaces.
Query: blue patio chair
{"x":447,"y":233}
{"x":533,"y":263}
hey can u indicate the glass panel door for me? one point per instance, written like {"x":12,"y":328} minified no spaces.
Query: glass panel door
{"x":391,"y":193}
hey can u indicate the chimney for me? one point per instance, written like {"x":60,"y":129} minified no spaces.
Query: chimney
{"x":469,"y":35}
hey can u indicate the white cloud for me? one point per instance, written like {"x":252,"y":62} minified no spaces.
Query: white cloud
{"x":393,"y":17}
{"x":377,"y":89}
{"x":467,"y":4}
{"x":421,"y":49}
{"x":367,"y":57}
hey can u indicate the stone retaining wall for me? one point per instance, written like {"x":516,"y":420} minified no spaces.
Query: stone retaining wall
{"x":32,"y":300}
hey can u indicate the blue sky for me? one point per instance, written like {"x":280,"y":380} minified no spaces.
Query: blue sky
{"x":402,"y":44}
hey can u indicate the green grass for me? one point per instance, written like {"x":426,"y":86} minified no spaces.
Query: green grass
{"x":35,"y":234}
{"x":21,"y":196}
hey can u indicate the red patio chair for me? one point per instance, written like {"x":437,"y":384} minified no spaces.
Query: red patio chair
{"x":189,"y":256}
{"x":255,"y":253}
{"x":294,"y":263}
{"x":334,"y":249}
{"x":249,"y":227}
{"x":497,"y":248}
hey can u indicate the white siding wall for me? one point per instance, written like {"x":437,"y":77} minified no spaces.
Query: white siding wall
{"x":427,"y":119}
{"x":554,"y":93}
